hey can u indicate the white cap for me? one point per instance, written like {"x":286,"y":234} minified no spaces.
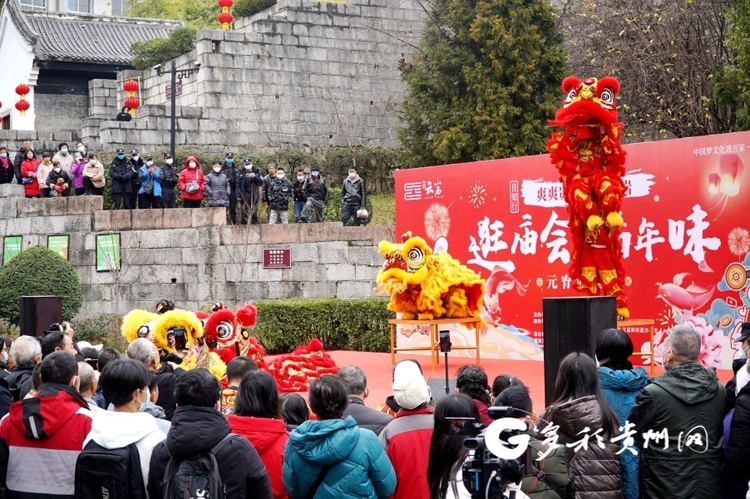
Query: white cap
{"x":409,"y":386}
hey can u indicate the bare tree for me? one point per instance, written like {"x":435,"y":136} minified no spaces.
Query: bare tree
{"x":665,"y":54}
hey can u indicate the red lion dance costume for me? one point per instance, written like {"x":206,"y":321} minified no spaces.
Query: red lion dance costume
{"x":590,"y":159}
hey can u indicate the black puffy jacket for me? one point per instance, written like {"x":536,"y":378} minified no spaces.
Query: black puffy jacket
{"x":738,"y":450}
{"x":121,"y":173}
{"x":249,"y":187}
{"x":279,"y":193}
{"x":194,"y":431}
{"x":168,"y":177}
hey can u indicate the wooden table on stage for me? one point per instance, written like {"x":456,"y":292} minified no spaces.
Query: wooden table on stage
{"x":434,"y":347}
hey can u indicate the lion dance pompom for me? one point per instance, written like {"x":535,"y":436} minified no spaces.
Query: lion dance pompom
{"x":590,"y":160}
{"x":427,"y":286}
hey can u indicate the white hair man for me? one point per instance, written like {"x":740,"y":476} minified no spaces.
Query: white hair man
{"x":145,"y":352}
{"x":26,"y":351}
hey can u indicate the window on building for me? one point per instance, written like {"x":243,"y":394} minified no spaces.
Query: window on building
{"x":79,"y":6}
{"x":118,"y":7}
{"x":34,"y":4}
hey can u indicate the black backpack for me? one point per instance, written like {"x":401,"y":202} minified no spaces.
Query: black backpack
{"x":197,"y":477}
{"x":109,"y":473}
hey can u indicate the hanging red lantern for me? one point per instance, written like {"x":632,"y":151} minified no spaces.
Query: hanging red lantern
{"x":225,"y":18}
{"x":226,"y":4}
{"x":130,"y":86}
{"x":132,"y":102}
{"x":23,"y":106}
{"x":22,"y":89}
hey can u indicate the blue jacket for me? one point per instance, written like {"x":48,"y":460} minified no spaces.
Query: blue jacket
{"x":361,"y":468}
{"x":620,"y":388}
{"x":144,"y":177}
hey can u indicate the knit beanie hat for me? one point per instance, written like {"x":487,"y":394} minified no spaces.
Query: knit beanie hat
{"x":409,"y":386}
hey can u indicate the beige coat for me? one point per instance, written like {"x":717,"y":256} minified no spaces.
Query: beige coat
{"x":95,"y":173}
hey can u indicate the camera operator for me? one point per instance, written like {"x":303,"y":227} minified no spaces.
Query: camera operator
{"x":550,"y":478}
{"x":447,"y":452}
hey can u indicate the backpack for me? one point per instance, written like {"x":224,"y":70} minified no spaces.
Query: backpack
{"x":109,"y":473}
{"x":197,"y":477}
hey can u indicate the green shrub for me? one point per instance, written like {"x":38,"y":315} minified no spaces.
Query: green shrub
{"x":246,"y":8}
{"x":38,"y":271}
{"x":160,"y":50}
{"x":104,"y":329}
{"x":360,"y":324}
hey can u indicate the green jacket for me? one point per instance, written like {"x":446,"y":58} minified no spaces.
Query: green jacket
{"x":555,"y":467}
{"x":686,"y":397}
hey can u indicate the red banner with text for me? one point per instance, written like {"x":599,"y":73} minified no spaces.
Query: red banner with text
{"x":686,"y":239}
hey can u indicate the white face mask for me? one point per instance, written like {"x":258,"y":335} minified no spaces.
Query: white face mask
{"x":82,"y":149}
{"x":300,"y":177}
{"x":280,"y":175}
{"x":248,"y":167}
{"x":149,"y":163}
{"x":217,"y":169}
{"x":144,"y":404}
{"x":135,"y":158}
{"x":191,"y":164}
{"x":169,"y":161}
{"x":57,"y":169}
{"x":352,"y":175}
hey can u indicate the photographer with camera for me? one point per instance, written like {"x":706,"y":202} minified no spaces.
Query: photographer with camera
{"x":548,"y":478}
{"x":457,"y":419}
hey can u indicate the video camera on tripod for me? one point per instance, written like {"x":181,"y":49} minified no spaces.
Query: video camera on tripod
{"x":485,"y":474}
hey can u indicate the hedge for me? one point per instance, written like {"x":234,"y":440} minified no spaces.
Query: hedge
{"x":37,"y":271}
{"x":104,"y":329}
{"x":360,"y":324}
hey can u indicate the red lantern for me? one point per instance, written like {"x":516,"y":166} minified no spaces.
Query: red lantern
{"x":132,"y":102}
{"x":22,"y":89}
{"x":225,"y":18}
{"x":226,"y":4}
{"x":130,"y":86}
{"x":23,"y":106}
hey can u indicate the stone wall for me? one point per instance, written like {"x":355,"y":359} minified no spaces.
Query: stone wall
{"x":60,"y":112}
{"x":299,"y":74}
{"x":41,"y":140}
{"x":191,"y":256}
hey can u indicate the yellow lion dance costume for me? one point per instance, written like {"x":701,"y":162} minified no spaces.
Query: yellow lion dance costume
{"x":177,"y":329}
{"x":427,"y":286}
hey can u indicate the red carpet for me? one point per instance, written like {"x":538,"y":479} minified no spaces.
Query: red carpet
{"x":377,"y":366}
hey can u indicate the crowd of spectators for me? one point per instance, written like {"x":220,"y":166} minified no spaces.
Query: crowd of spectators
{"x":142,"y":182}
{"x":71,"y":413}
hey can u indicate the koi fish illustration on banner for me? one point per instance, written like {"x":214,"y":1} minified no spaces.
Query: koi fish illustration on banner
{"x":685,"y":241}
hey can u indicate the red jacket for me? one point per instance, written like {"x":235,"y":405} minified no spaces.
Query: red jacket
{"x":269,"y":437}
{"x":407,"y":442}
{"x":46,"y":431}
{"x":191,"y":175}
{"x":29,"y":166}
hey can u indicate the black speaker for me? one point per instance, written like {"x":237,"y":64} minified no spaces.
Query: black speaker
{"x":38,"y":313}
{"x":437,"y":387}
{"x":571,"y":325}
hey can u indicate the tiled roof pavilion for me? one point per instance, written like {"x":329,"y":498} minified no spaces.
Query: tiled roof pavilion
{"x":85,"y":38}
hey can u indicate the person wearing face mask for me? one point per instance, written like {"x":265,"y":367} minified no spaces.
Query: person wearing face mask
{"x":125,"y":384}
{"x":271,"y":169}
{"x":93,"y":176}
{"x":168,"y":182}
{"x":81,"y":148}
{"x":76,"y":172}
{"x":63,"y":156}
{"x":299,"y":197}
{"x":42,"y":172}
{"x":58,"y":181}
{"x":136,"y":162}
{"x":352,"y":197}
{"x":121,"y":173}
{"x":217,"y":187}
{"x":737,"y":425}
{"x":250,"y":183}
{"x":687,"y":398}
{"x":21,"y":156}
{"x":149,"y":192}
{"x":6,"y":167}
{"x":191,"y":183}
{"x":279,"y":195}
{"x":229,"y":169}
{"x":29,"y":169}
{"x":316,"y":190}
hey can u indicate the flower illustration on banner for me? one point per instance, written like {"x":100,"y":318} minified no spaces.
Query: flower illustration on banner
{"x":478,"y":195}
{"x":739,"y":241}
{"x":711,"y":341}
{"x":437,"y":221}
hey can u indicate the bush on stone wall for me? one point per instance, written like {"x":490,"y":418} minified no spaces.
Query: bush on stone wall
{"x":160,"y":50}
{"x":38,"y":271}
{"x":104,"y":329}
{"x":360,"y":324}
{"x":246,"y":8}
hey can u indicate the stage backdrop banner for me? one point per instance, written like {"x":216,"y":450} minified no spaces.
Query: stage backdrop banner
{"x":686,"y":240}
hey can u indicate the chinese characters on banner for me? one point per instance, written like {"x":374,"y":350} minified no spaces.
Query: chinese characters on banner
{"x":685,"y":243}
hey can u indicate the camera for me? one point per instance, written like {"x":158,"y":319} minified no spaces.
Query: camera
{"x":178,"y":336}
{"x":485,"y":475}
